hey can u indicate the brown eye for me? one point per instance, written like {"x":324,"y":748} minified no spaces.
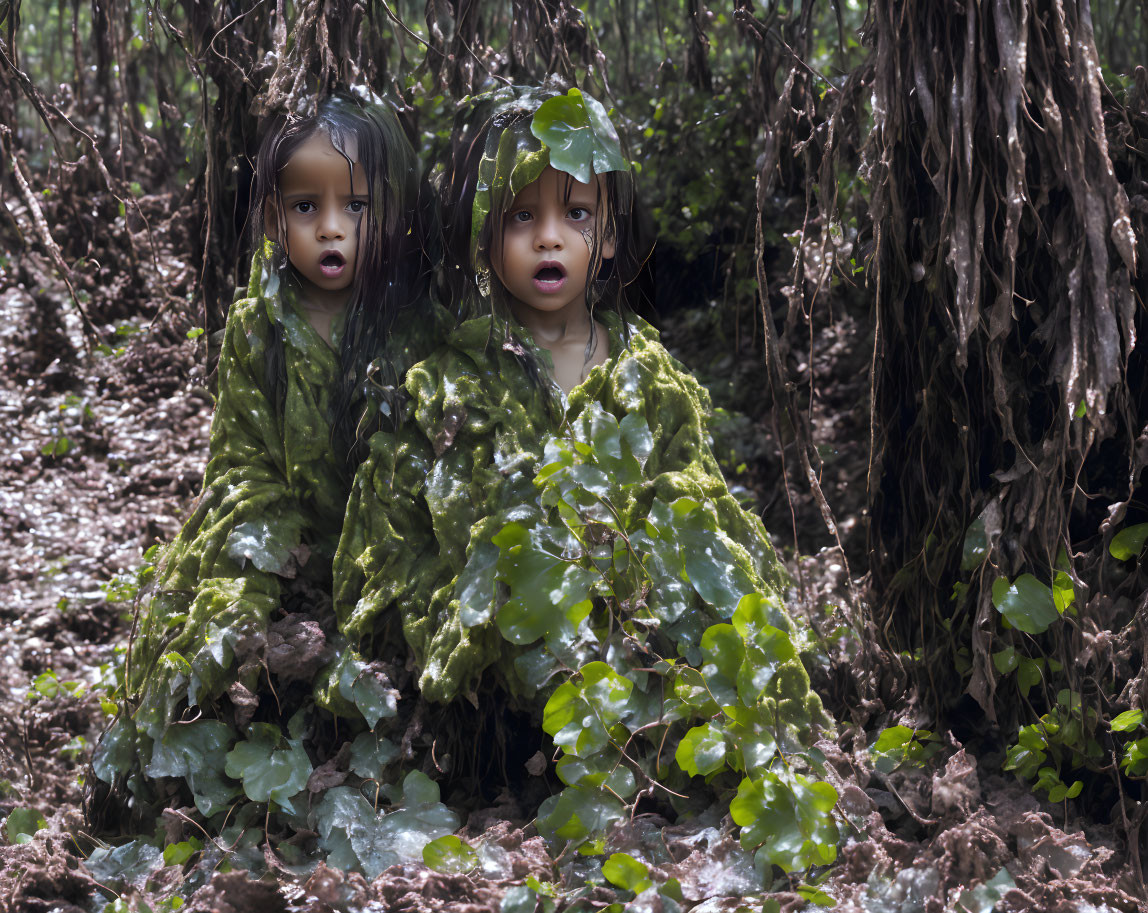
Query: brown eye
{"x":578,"y":214}
{"x":304,"y":207}
{"x":357,"y":206}
{"x":521,"y":216}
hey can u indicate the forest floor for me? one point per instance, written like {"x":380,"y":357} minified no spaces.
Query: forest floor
{"x":103,"y":456}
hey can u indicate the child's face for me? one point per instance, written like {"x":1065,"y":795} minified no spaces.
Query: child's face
{"x":324,"y":201}
{"x":544,"y":252}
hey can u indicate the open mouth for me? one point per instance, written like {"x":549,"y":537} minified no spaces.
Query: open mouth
{"x":550,"y":277}
{"x":332,"y":264}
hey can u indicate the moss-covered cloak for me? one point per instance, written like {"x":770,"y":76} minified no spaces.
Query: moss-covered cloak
{"x":424,"y":507}
{"x":259,"y":543}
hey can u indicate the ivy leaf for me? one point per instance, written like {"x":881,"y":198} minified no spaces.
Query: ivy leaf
{"x":1129,"y":542}
{"x":368,"y":687}
{"x":269,"y":773}
{"x":624,"y":871}
{"x":179,"y":853}
{"x":129,"y":864}
{"x":724,"y":652}
{"x":1006,"y":660}
{"x":578,"y":133}
{"x":22,"y":823}
{"x":598,"y":771}
{"x":1026,"y":603}
{"x":370,"y":754}
{"x":752,"y":731}
{"x":794,"y":820}
{"x":196,"y":751}
{"x":702,"y":750}
{"x":1028,"y":674}
{"x":450,"y":856}
{"x":475,"y":586}
{"x":356,"y":836}
{"x":709,"y":563}
{"x":1127,"y":721}
{"x":547,"y":592}
{"x":1063,"y":592}
{"x":576,"y":813}
{"x":976,"y":545}
{"x":115,"y":750}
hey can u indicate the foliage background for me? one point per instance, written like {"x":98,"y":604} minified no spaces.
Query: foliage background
{"x":805,"y":196}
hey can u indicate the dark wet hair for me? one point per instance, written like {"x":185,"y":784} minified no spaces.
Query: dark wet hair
{"x":392,"y":268}
{"x":477,"y":128}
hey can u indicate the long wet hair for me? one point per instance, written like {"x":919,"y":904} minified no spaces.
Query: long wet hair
{"x":478,"y":128}
{"x":392,"y":267}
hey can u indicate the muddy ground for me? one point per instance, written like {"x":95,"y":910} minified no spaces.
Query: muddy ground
{"x":103,"y":455}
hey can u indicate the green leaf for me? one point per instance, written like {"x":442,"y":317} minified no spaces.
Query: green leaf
{"x":179,"y":853}
{"x":370,"y":754}
{"x":129,"y":864}
{"x":578,"y":133}
{"x":984,"y":897}
{"x":576,"y":813}
{"x":723,"y":651}
{"x":1063,"y":593}
{"x":368,"y":687}
{"x":1026,"y":603}
{"x":548,"y":594}
{"x":356,"y":836}
{"x":1028,"y":674}
{"x":450,"y":856}
{"x":1127,"y":721}
{"x":1129,"y":542}
{"x":895,"y":738}
{"x":196,"y":751}
{"x":702,"y":750}
{"x":1006,"y":660}
{"x":791,"y":820}
{"x":976,"y":545}
{"x":22,"y":823}
{"x":624,"y":871}
{"x":269,"y":773}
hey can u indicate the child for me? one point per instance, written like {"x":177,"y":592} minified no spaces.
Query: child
{"x":544,"y":234}
{"x":239,"y":615}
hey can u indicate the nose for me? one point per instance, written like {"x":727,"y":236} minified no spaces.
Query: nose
{"x":546,"y":234}
{"x":329,"y":226}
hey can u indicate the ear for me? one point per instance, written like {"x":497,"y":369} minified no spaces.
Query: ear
{"x":607,"y":247}
{"x":271,"y":220}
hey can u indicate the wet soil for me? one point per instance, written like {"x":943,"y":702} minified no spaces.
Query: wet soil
{"x":103,"y":456}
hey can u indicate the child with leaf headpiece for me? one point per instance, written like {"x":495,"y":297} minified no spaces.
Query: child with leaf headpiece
{"x":551,"y":525}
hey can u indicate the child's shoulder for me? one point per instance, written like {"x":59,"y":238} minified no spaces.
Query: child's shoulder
{"x":646,"y":371}
{"x":473,"y":369}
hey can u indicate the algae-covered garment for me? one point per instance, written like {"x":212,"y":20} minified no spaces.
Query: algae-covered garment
{"x":241,"y":592}
{"x":424,"y":507}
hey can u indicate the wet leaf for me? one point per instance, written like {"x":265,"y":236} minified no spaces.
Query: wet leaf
{"x":1026,"y":603}
{"x":22,"y":823}
{"x":702,"y":750}
{"x":450,"y":856}
{"x":576,"y":813}
{"x":356,"y":836}
{"x":624,"y":871}
{"x":547,"y":592}
{"x":370,"y":754}
{"x":269,"y":771}
{"x":1127,"y":721}
{"x":1129,"y":542}
{"x":976,"y":545}
{"x":579,"y":135}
